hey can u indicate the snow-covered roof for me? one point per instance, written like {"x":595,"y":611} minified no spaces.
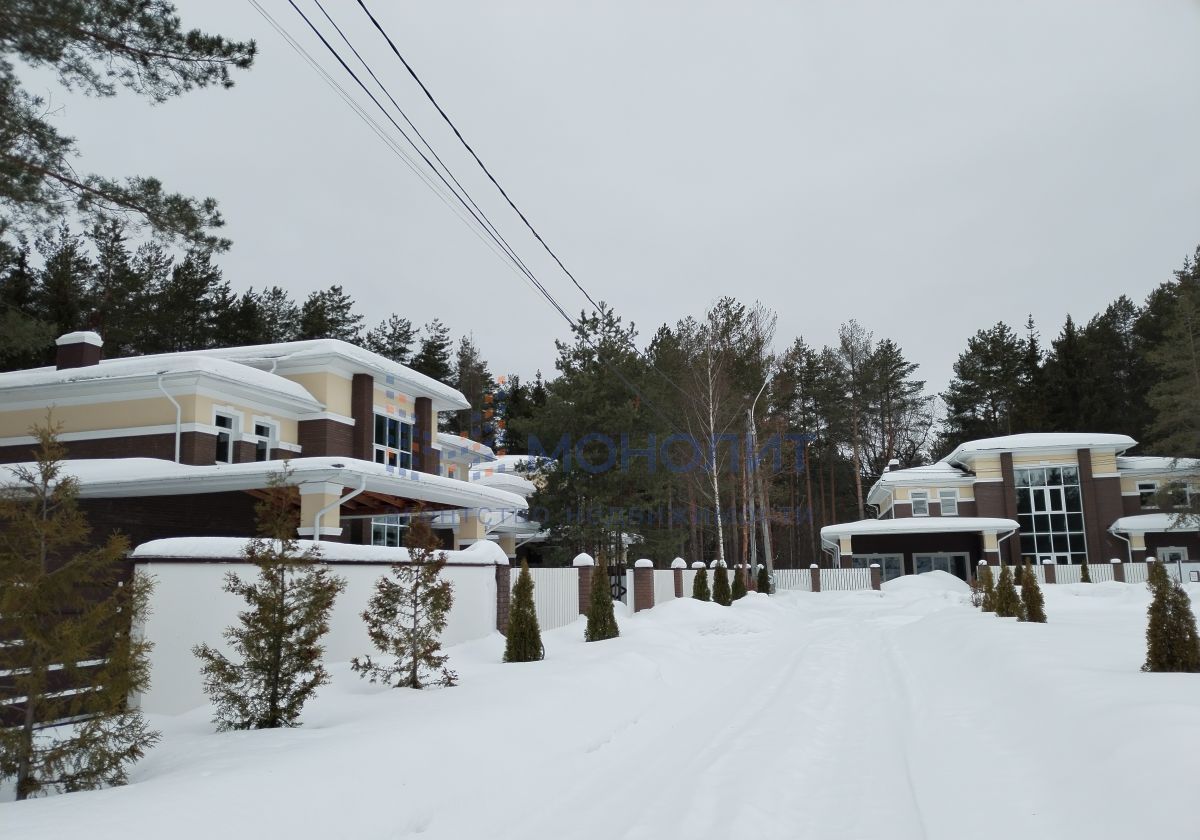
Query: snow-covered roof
{"x":290,"y":354}
{"x":1153,"y":523}
{"x":481,"y":553}
{"x":472,"y":450}
{"x":1040,"y":441}
{"x":918,"y":525}
{"x":511,"y":482}
{"x":1151,"y":464}
{"x":515,"y":464}
{"x":123,"y":371}
{"x":133,"y":477}
{"x":939,"y":472}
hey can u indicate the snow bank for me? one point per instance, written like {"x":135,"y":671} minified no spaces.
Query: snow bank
{"x":484,"y":552}
{"x":936,"y":581}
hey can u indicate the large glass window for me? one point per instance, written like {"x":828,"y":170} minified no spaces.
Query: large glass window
{"x":393,"y":442}
{"x":1050,"y":513}
{"x":388,"y":530}
{"x":949,"y":501}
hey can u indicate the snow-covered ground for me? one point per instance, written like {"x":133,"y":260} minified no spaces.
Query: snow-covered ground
{"x":902,"y":714}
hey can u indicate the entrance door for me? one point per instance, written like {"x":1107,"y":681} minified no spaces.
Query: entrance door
{"x":955,"y":564}
{"x":1173,"y":559}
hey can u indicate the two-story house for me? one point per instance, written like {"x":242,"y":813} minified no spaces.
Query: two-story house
{"x":1038,"y":498}
{"x":183,"y":444}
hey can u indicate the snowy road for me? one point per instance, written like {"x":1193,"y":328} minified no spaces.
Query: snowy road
{"x":842,"y":715}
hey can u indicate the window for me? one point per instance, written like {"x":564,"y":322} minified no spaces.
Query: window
{"x":263,"y":435}
{"x":393,"y":442}
{"x":891,"y":566}
{"x":1146,"y":492}
{"x":920,"y":502}
{"x":225,"y":427}
{"x":388,"y":530}
{"x":949,"y":502}
{"x":1050,"y":514}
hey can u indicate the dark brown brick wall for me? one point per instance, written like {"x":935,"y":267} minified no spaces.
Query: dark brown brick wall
{"x":989,"y":499}
{"x":155,"y":517}
{"x":910,"y":544}
{"x":243,"y":452}
{"x":1010,"y":549}
{"x":643,"y":588}
{"x":425,"y":457}
{"x":503,"y":597}
{"x":1190,"y":541}
{"x":325,"y":437}
{"x":194,"y":448}
{"x":585,"y":588}
{"x":1110,"y":506}
{"x":362,"y":409}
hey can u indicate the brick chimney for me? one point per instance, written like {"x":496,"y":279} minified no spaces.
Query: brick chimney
{"x":78,"y":349}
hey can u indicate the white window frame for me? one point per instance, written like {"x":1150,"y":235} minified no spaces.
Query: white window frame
{"x":912,"y":500}
{"x":232,"y":432}
{"x":1150,"y":487}
{"x":952,"y":494}
{"x":397,"y":457}
{"x":271,"y":439}
{"x":396,"y":523}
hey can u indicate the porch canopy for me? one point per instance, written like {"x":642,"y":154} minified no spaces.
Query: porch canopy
{"x":1147,"y":534}
{"x":903,"y":536}
{"x":1154,"y":523}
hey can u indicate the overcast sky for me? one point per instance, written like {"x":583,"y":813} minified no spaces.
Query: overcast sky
{"x":925,"y":167}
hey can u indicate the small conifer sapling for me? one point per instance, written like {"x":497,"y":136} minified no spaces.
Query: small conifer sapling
{"x":738,"y":590}
{"x":1007,"y":602}
{"x":1032,"y":600}
{"x":764,"y":581}
{"x":524,"y":641}
{"x":700,"y":589}
{"x":988,"y":584}
{"x":721,"y":593}
{"x":1085,"y":576}
{"x":77,"y":621}
{"x":276,"y":644}
{"x":406,"y":616}
{"x":1172,"y":645}
{"x":601,"y":622}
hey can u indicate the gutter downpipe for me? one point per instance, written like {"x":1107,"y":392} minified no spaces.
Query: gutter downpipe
{"x":1128,"y":544}
{"x":178,"y":413}
{"x":362,"y":485}
{"x":1000,"y":542}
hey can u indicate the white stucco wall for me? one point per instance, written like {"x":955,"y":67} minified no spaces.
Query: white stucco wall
{"x":189,"y":607}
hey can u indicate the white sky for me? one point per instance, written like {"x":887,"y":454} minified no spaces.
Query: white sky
{"x":925,"y":167}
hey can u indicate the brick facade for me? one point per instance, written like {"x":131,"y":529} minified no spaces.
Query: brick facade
{"x":326,"y":437}
{"x":196,"y":448}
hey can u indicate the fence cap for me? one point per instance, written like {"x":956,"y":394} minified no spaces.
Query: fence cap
{"x":699,"y":564}
{"x":716,"y":563}
{"x":583,"y":560}
{"x":814,"y":566}
{"x":1048,"y":562}
{"x":982,"y":562}
{"x":678,"y":563}
{"x":1114,"y":560}
{"x":874,"y":565}
{"x":644,"y":564}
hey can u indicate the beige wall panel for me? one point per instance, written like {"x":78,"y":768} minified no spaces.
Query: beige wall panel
{"x":328,"y":388}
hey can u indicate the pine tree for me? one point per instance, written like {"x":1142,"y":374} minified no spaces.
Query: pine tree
{"x":524,"y":642}
{"x":406,"y":616}
{"x":392,"y":339}
{"x":1032,"y":600}
{"x":1085,"y":576}
{"x":721,"y":593}
{"x":988,"y":604}
{"x":1172,"y":643}
{"x":601,"y":623}
{"x":281,"y":314}
{"x":95,"y":47}
{"x":329,"y":313}
{"x":700,"y":589}
{"x":278,"y":639}
{"x":473,"y":380}
{"x":1007,"y":602}
{"x":764,"y":581}
{"x":738,"y":590}
{"x":68,"y":606}
{"x":433,"y":357}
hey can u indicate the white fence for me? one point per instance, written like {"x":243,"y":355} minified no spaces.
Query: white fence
{"x":664,"y":586}
{"x":845,"y":580}
{"x":555,"y":595}
{"x":689,"y":581}
{"x":793,"y":579}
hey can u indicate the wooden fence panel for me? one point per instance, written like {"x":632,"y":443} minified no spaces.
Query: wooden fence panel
{"x":845,"y":580}
{"x":796,"y":580}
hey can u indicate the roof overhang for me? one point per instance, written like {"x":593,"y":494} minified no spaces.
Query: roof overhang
{"x":118,"y":478}
{"x":1153,"y":523}
{"x":919,"y":525}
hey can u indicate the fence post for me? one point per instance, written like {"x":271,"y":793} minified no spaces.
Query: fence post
{"x":815,"y":572}
{"x":585,"y":565}
{"x":876,"y":577}
{"x":1118,"y":570}
{"x":643,"y":585}
{"x":1048,"y":571}
{"x":677,"y":567}
{"x":503,"y":595}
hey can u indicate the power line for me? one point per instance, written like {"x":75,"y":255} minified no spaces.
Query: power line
{"x":467,"y":146}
